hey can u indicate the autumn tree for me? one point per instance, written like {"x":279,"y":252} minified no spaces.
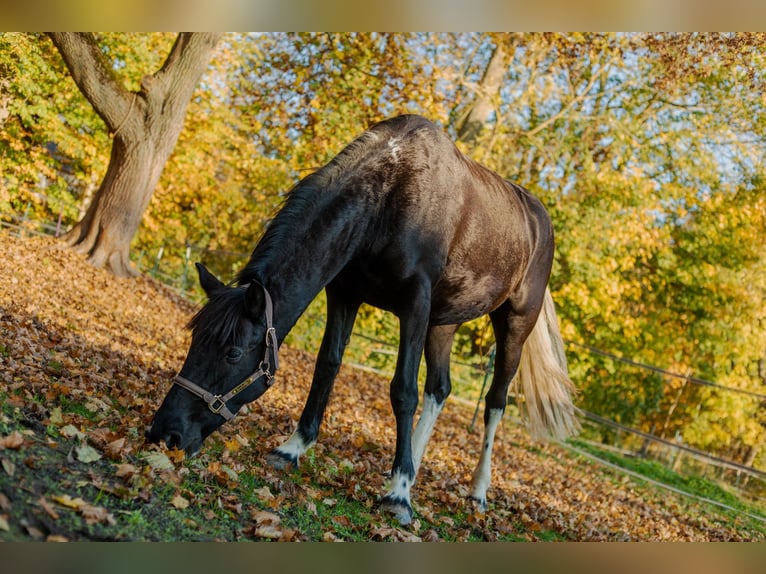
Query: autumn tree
{"x":487,"y":91}
{"x":144,"y":125}
{"x":46,"y":161}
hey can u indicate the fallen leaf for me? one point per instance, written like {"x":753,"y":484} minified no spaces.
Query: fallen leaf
{"x":13,"y":441}
{"x":33,"y":531}
{"x":56,"y":538}
{"x":114,"y":449}
{"x":394,"y":534}
{"x":125,"y":470}
{"x":233,"y":445}
{"x":431,"y":536}
{"x":342,"y":521}
{"x":229,"y":472}
{"x":4,"y":524}
{"x":48,"y":508}
{"x":263,"y":493}
{"x":268,"y":531}
{"x":87,"y":454}
{"x":289,"y":535}
{"x":8,"y":467}
{"x":179,"y":502}
{"x":56,"y":417}
{"x":158,"y":460}
{"x":96,"y":514}
{"x":71,"y":431}
{"x":176,"y":455}
{"x":68,"y":501}
{"x":95,"y":405}
{"x":265,"y":517}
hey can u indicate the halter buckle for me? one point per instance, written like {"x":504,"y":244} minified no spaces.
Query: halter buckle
{"x":216,"y":408}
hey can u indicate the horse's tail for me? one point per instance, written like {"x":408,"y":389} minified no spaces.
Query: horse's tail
{"x":543,"y":380}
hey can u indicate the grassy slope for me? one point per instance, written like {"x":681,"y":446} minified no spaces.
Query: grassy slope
{"x":86,"y":358}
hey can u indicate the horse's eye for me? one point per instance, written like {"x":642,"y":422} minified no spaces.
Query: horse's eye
{"x":234,"y":355}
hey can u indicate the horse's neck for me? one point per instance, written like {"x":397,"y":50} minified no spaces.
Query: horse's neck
{"x":298,"y":262}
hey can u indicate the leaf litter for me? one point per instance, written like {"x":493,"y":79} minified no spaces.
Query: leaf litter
{"x":86,"y":358}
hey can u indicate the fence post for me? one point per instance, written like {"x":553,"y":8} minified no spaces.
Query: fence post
{"x":157,"y":262}
{"x":23,"y":219}
{"x":187,"y":257}
{"x":58,"y":223}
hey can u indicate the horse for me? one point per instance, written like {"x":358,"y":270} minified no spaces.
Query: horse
{"x":402,"y":220}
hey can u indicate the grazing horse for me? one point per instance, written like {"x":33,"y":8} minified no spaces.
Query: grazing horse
{"x":402,"y":220}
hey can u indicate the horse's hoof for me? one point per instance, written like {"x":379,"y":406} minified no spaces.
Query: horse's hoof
{"x":281,"y":460}
{"x":479,"y":504}
{"x":398,"y":508}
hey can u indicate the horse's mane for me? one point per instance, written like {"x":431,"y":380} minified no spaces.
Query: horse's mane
{"x":222,"y":320}
{"x":304,"y":199}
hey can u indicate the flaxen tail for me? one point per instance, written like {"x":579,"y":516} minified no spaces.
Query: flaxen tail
{"x":543,"y":382}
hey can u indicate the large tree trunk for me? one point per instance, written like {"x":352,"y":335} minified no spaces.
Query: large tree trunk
{"x":145,"y":126}
{"x":489,"y":87}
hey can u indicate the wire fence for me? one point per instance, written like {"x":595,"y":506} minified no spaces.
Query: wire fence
{"x":475,"y":371}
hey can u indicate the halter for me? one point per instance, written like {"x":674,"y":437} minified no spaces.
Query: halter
{"x":217,"y":403}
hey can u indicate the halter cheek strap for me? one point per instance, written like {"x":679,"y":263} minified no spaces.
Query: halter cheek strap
{"x":217,"y":403}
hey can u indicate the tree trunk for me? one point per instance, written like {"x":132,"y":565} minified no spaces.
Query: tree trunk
{"x":145,"y":126}
{"x":491,"y":82}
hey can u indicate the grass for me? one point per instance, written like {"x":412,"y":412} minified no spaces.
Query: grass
{"x":221,"y":506}
{"x":219,"y":509}
{"x":697,"y":486}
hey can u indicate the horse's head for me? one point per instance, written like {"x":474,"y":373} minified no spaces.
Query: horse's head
{"x":231,"y":361}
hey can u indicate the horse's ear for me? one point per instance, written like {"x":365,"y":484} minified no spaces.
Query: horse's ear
{"x":210,"y":284}
{"x":255,"y":300}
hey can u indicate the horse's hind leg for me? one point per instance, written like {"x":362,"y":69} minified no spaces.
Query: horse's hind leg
{"x":340,"y":323}
{"x":437,"y":388}
{"x":511,"y":330}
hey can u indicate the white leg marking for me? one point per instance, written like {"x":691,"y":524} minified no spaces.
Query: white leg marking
{"x":424,"y":428}
{"x":400,"y":487}
{"x":397,"y":500}
{"x":483,"y":472}
{"x":294,"y":447}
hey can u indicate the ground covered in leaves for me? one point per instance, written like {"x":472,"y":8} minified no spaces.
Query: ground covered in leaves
{"x":86,"y":358}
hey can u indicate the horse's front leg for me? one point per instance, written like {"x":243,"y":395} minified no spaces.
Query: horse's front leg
{"x":413,"y":323}
{"x":341,"y":314}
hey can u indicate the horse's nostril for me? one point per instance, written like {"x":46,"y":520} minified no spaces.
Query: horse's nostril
{"x":151,"y":435}
{"x":173,"y":439}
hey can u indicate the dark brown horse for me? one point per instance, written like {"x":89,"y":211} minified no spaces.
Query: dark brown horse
{"x":402,"y":220}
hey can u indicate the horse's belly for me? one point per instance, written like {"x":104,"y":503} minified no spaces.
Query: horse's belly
{"x":466,"y":297}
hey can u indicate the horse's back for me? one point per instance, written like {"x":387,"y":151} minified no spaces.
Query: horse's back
{"x":486,"y":236}
{"x":443,"y":216}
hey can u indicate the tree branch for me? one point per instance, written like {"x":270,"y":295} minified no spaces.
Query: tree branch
{"x":92,"y":74}
{"x":578,"y":98}
{"x":185,"y":63}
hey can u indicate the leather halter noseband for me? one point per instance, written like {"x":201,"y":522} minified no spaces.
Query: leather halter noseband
{"x":217,"y":403}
